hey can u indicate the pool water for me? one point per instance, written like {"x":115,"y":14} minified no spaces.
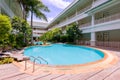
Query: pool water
{"x":64,"y":54}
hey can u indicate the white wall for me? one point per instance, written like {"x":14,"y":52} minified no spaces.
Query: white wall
{"x":112,"y":25}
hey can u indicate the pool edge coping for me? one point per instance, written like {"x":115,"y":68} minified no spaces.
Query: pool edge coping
{"x":106,"y":56}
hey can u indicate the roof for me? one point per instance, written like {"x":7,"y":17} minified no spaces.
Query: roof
{"x":65,"y":10}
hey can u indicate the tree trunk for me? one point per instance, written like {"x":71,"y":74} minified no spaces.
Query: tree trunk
{"x":25,"y":16}
{"x":24,"y":38}
{"x":32,"y":27}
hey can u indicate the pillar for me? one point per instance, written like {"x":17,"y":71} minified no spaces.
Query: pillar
{"x":93,"y":36}
{"x":0,"y":9}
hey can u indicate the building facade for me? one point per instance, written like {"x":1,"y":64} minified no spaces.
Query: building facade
{"x":10,"y":8}
{"x":38,"y":29}
{"x":99,"y":21}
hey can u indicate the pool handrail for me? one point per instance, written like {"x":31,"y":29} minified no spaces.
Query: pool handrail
{"x":35,"y":59}
{"x":42,"y":59}
{"x":34,"y":62}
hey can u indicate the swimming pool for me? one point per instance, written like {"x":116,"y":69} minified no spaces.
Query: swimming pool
{"x":64,"y":54}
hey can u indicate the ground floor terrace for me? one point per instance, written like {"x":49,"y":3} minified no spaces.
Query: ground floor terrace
{"x":13,"y":72}
{"x":107,"y":38}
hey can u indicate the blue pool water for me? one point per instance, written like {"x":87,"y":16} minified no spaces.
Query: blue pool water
{"x":64,"y":54}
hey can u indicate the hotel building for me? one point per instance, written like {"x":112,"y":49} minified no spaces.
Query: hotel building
{"x":99,"y":21}
{"x":11,"y":8}
{"x":38,"y":29}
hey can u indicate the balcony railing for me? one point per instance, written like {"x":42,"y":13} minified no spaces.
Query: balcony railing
{"x":71,"y":16}
{"x":107,"y":19}
{"x":79,"y":12}
{"x":107,"y":44}
{"x":37,"y":31}
{"x":14,"y":6}
{"x":83,"y":43}
{"x":85,"y":25}
{"x":84,"y":9}
{"x":112,"y":44}
{"x":98,"y":2}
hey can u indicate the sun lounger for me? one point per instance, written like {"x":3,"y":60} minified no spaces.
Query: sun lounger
{"x":16,"y":55}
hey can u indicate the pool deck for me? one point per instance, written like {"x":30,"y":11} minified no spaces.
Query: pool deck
{"x":12,"y":72}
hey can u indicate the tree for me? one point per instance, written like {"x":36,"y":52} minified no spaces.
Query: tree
{"x":56,"y":35}
{"x":35,"y":7}
{"x":73,"y":33}
{"x":5,"y":29}
{"x":21,"y":30}
{"x":26,"y":8}
{"x":16,"y":24}
{"x":12,"y":40}
{"x":52,"y":35}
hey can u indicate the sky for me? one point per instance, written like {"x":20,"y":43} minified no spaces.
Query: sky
{"x":55,"y":7}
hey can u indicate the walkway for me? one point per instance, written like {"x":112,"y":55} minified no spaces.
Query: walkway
{"x":11,"y":72}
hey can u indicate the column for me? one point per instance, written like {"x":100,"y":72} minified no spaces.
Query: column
{"x":0,"y":9}
{"x":76,"y":13}
{"x":93,"y":36}
{"x":77,"y":23}
{"x":0,"y":6}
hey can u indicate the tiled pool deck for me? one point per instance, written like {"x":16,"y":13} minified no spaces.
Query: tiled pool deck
{"x":11,"y":72}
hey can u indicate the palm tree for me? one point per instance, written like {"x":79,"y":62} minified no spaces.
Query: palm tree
{"x":35,"y":7}
{"x":25,"y":8}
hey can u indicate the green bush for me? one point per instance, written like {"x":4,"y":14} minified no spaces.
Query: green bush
{"x":52,"y":35}
{"x":55,"y":35}
{"x":5,"y":29}
{"x":6,"y":60}
{"x":21,"y":31}
{"x":63,"y":38}
{"x":74,"y":33}
{"x":14,"y":33}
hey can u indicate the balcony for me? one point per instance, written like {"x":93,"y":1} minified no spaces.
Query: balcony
{"x":102,"y":20}
{"x":84,"y":9}
{"x":39,"y":31}
{"x":85,"y":25}
{"x":80,"y":14}
{"x":107,"y":19}
{"x":71,"y":16}
{"x":36,"y":35}
{"x":14,"y":6}
{"x":98,"y":2}
{"x":6,"y":8}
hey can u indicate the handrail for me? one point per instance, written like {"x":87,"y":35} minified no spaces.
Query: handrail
{"x":35,"y":59}
{"x":42,"y":59}
{"x":108,"y":18}
{"x":33,"y":63}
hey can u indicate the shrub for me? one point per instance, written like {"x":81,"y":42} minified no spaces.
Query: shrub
{"x":22,"y":32}
{"x":55,"y":35}
{"x":73,"y":33}
{"x":6,"y":60}
{"x":63,"y":38}
{"x":52,"y":35}
{"x":5,"y":29}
